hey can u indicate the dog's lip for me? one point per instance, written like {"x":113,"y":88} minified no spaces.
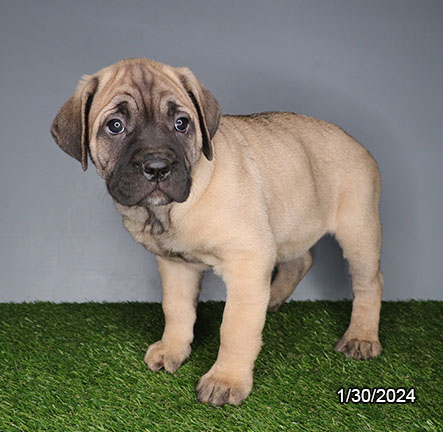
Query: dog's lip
{"x":148,"y":191}
{"x":156,"y":192}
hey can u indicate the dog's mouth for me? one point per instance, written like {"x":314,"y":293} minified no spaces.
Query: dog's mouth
{"x":166,"y":188}
{"x":140,"y":188}
{"x":156,"y":197}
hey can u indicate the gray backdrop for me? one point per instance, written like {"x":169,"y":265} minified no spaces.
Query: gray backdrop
{"x":373,"y":67}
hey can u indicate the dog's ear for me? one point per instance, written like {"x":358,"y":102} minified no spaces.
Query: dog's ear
{"x":208,"y":109}
{"x":70,"y":128}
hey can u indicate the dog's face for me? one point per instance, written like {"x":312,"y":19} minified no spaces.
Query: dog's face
{"x":144,"y":125}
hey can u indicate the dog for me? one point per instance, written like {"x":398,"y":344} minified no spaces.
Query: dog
{"x":241,"y":194}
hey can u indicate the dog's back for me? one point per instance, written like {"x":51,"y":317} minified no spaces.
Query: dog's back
{"x":306,"y":167}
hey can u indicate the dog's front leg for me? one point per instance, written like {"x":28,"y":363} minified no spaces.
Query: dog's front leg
{"x":248,"y":287}
{"x":181,"y":283}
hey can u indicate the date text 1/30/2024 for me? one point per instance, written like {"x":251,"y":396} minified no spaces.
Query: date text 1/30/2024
{"x":376,"y":395}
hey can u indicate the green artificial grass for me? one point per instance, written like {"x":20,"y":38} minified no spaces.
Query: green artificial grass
{"x":79,"y":367}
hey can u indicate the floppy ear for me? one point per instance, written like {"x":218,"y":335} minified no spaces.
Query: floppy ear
{"x":70,"y":127}
{"x":208,"y":109}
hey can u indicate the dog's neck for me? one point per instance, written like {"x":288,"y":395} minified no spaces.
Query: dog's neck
{"x":159,"y":219}
{"x":205,"y":169}
{"x":156,"y":219}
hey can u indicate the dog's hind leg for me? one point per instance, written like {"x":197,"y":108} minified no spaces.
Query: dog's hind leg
{"x":289,"y":274}
{"x":358,"y":231}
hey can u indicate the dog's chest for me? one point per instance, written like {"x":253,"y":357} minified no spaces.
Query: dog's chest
{"x":155,"y":231}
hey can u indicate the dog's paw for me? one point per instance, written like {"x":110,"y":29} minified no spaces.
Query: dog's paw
{"x":218,"y":388}
{"x":358,"y":349}
{"x":159,"y":355}
{"x":274,"y":305}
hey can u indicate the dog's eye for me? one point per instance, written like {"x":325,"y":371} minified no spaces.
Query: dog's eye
{"x":115,"y":126}
{"x":181,"y":124}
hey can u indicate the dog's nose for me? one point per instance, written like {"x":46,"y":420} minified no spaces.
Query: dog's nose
{"x":156,"y":169}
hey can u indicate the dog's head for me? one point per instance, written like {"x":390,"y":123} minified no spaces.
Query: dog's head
{"x":144,"y":125}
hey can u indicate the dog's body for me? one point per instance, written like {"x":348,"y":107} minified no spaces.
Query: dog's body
{"x":261,"y":192}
